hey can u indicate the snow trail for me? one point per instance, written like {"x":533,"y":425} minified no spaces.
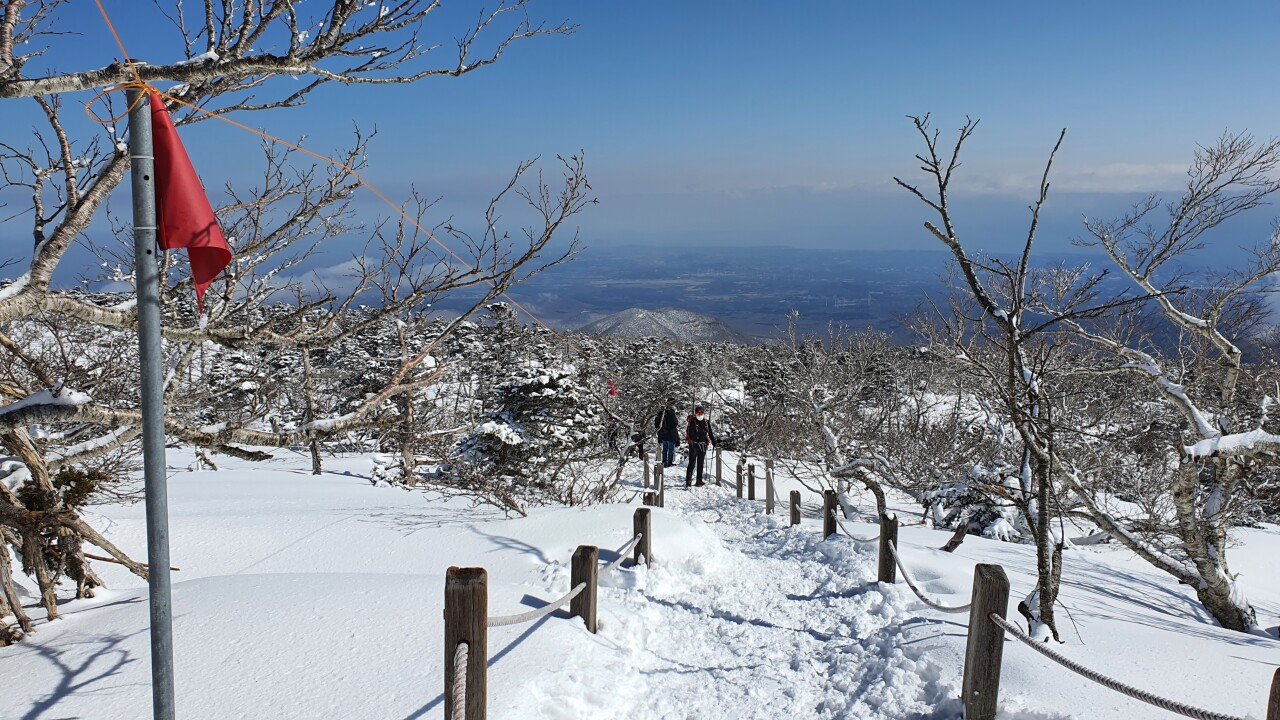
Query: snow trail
{"x":774,"y":621}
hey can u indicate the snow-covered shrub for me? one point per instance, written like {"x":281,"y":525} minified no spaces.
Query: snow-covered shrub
{"x":542,"y":422}
{"x":972,"y":503}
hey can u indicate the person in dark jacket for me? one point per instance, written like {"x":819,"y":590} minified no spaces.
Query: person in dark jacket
{"x":668,"y":432}
{"x":699,"y":435}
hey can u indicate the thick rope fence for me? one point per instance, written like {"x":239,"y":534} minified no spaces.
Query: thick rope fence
{"x":911,"y":583}
{"x":622,"y":552}
{"x":987,"y":626}
{"x":460,"y":680}
{"x":1163,"y":703}
{"x":981,"y":681}
{"x":467,"y":621}
{"x":535,"y":614}
{"x":524,"y":617}
{"x":845,"y":531}
{"x":889,"y":547}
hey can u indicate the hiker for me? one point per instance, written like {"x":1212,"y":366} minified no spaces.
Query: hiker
{"x":668,"y":432}
{"x":698,"y":434}
{"x":612,"y":433}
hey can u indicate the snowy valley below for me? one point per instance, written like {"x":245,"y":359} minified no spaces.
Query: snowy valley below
{"x":305,"y":596}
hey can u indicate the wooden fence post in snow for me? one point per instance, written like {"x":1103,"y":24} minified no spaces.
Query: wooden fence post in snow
{"x":768,"y":487}
{"x":737,"y":471}
{"x":466,"y":617}
{"x":642,"y":525}
{"x":585,"y":568}
{"x":795,"y":507}
{"x":646,"y":470}
{"x":828,"y":513}
{"x":751,"y":482}
{"x":662,"y":487}
{"x":981,"y":687}
{"x":1273,"y":706}
{"x":652,"y":498}
{"x":888,"y":534}
{"x":719,"y":468}
{"x":768,"y":483}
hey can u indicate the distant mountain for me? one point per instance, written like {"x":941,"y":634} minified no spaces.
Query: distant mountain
{"x":671,"y":323}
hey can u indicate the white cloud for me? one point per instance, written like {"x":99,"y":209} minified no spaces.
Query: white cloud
{"x":1105,"y":178}
{"x":340,"y":278}
{"x":1123,"y":177}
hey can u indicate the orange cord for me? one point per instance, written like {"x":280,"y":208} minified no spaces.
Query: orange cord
{"x":119,"y":43}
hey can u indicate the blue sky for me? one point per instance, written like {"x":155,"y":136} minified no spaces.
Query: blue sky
{"x":783,"y":122}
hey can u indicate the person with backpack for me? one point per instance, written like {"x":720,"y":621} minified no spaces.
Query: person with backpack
{"x":699,"y":435}
{"x":668,"y":432}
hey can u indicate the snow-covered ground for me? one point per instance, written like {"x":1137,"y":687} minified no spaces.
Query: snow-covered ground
{"x":321,"y":597}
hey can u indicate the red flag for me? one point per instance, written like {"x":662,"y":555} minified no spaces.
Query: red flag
{"x":183,"y":214}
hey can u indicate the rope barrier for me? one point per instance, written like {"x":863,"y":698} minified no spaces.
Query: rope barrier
{"x":622,"y":553}
{"x":851,"y":536}
{"x":911,"y":583}
{"x":505,"y":620}
{"x":460,"y":681}
{"x":1146,"y":697}
{"x":459,"y":693}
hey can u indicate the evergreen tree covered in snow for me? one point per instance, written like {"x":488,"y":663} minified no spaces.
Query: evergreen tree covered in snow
{"x":539,"y":423}
{"x":542,"y":420}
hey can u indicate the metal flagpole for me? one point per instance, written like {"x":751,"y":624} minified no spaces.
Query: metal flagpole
{"x":147,"y":281}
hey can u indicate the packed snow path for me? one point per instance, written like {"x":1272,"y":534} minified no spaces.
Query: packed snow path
{"x":772,"y":622}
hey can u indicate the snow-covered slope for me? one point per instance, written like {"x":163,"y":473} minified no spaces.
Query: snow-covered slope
{"x":683,"y":325}
{"x":321,"y":597}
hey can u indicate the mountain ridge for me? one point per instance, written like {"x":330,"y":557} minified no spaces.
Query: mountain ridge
{"x":673,"y":323}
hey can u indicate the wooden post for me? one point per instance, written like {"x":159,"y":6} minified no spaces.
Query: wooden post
{"x":466,"y":616}
{"x":651,"y":498}
{"x":1273,"y":706}
{"x":719,"y":468}
{"x":795,"y":507}
{"x":662,"y":488}
{"x":828,"y":513}
{"x":751,"y":482}
{"x":646,"y":470}
{"x":642,"y":525}
{"x":981,"y":686}
{"x":888,"y":534}
{"x":768,"y":487}
{"x":585,"y":568}
{"x":737,"y":471}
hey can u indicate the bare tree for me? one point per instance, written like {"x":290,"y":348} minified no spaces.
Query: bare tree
{"x":1226,"y":431}
{"x":232,"y":52}
{"x":1000,"y":333}
{"x":829,"y":397}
